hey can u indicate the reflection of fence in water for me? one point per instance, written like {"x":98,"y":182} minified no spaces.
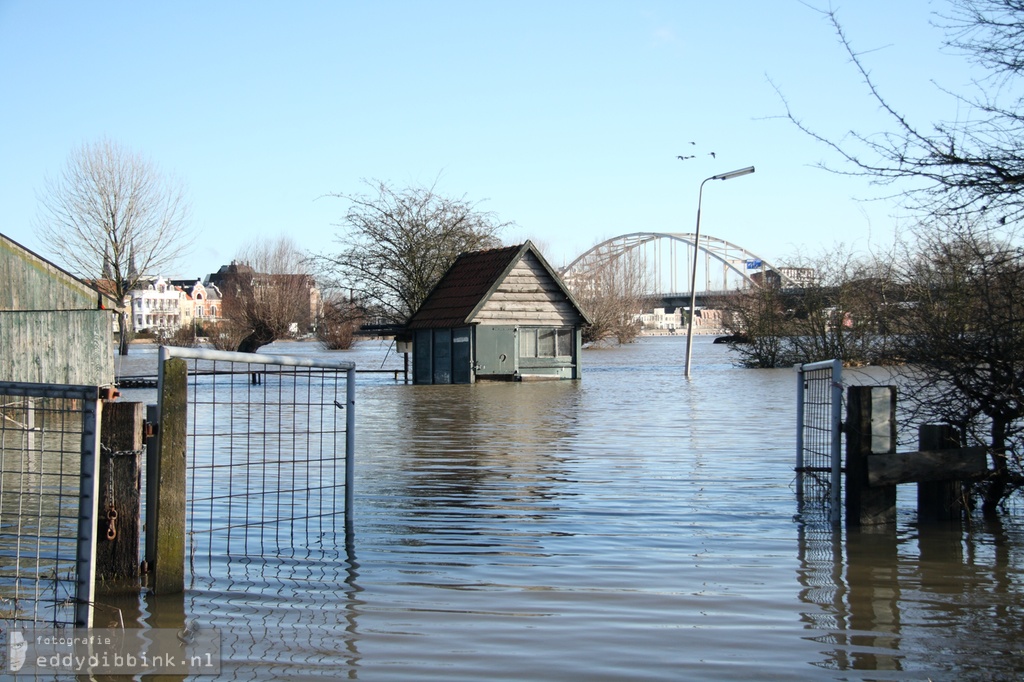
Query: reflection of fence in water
{"x":267,"y":446}
{"x":42,"y":506}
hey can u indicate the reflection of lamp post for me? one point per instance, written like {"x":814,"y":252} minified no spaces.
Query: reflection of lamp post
{"x":696,"y":253}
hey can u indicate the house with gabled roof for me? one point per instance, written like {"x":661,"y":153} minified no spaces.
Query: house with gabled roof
{"x":499,"y":314}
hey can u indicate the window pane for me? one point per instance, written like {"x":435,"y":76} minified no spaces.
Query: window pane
{"x":528,"y":343}
{"x":546,"y":343}
{"x":564,"y":343}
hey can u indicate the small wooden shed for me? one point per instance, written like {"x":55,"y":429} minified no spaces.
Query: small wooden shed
{"x":500,"y":314}
{"x":54,"y":328}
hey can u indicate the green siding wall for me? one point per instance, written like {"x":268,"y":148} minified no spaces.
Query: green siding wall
{"x":59,"y":346}
{"x":27,"y":282}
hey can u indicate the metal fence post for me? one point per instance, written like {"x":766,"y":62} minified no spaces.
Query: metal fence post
{"x":836,"y":512}
{"x":88,"y":489}
{"x":152,"y":476}
{"x":350,"y":443}
{"x":800,"y":391}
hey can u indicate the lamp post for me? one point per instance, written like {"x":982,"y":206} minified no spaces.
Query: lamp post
{"x":696,"y":253}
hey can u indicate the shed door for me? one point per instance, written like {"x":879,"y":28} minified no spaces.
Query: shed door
{"x":442,"y":356}
{"x":462,"y":355}
{"x":422,"y":353}
{"x":496,"y":350}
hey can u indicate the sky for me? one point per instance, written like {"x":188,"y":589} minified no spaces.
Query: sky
{"x":564,"y":118}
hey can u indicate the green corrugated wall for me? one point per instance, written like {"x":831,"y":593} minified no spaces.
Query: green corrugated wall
{"x":51,"y":330}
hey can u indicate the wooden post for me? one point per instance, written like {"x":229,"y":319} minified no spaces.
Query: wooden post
{"x":167,"y":564}
{"x":938,"y":500}
{"x":117,"y":521}
{"x":870,"y":429}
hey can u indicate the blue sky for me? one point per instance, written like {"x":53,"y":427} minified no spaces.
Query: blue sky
{"x":563,"y":117}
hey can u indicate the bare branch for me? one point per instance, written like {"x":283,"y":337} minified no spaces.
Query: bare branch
{"x":397,"y":244}
{"x":268,"y":292}
{"x":973,"y":166}
{"x":111,"y":215}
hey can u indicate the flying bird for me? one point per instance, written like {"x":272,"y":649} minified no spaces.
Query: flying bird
{"x":712,"y":154}
{"x":693,"y":143}
{"x":684,"y":158}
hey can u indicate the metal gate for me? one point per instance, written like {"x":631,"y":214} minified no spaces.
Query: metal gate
{"x":819,"y":434}
{"x":49,"y":478}
{"x":269,"y":452}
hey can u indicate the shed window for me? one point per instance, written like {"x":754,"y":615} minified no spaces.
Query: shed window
{"x":563,"y":343}
{"x":545,"y":342}
{"x":528,"y":343}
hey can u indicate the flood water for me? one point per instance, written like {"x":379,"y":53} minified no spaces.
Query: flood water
{"x":634,"y":525}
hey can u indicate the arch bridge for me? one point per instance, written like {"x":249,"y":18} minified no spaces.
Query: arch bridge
{"x":663,"y":262}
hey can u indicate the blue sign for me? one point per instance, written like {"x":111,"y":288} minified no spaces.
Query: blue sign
{"x":754,"y":263}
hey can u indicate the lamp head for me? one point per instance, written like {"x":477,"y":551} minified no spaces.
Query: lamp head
{"x":734,"y":174}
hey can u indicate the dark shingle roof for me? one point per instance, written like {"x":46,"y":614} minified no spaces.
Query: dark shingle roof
{"x":470,"y":278}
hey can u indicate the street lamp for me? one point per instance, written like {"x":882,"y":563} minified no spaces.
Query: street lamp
{"x":696,"y":252}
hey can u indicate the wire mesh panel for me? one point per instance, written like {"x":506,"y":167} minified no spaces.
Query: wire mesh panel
{"x":819,"y":434}
{"x":269,"y":453}
{"x":48,"y":476}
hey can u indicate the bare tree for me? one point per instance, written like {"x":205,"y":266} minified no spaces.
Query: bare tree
{"x":396,"y":245}
{"x":613,"y":289}
{"x":972,"y":166}
{"x":267,"y":292}
{"x":843,"y":314}
{"x":759,"y":326}
{"x":111,"y":215}
{"x":963,"y":333}
{"x":338,"y":323}
{"x":962,"y":321}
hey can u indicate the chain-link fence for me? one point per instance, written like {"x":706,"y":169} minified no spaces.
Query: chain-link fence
{"x":49,"y":439}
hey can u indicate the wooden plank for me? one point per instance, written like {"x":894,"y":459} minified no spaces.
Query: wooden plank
{"x":521,"y":308}
{"x":526,"y":307}
{"x":926,"y":465}
{"x":521,"y":316}
{"x":523,"y":296}
{"x":528,"y":284}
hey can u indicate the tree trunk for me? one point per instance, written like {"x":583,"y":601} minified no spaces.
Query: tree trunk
{"x":1000,"y":479}
{"x":259,"y":337}
{"x":122,"y":325}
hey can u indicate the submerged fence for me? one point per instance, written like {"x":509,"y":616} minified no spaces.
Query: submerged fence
{"x":270,"y":453}
{"x":819,"y":434}
{"x":49,"y":439}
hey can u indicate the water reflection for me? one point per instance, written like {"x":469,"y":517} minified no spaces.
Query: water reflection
{"x":481,"y":478}
{"x":936,"y":600}
{"x":281,"y":614}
